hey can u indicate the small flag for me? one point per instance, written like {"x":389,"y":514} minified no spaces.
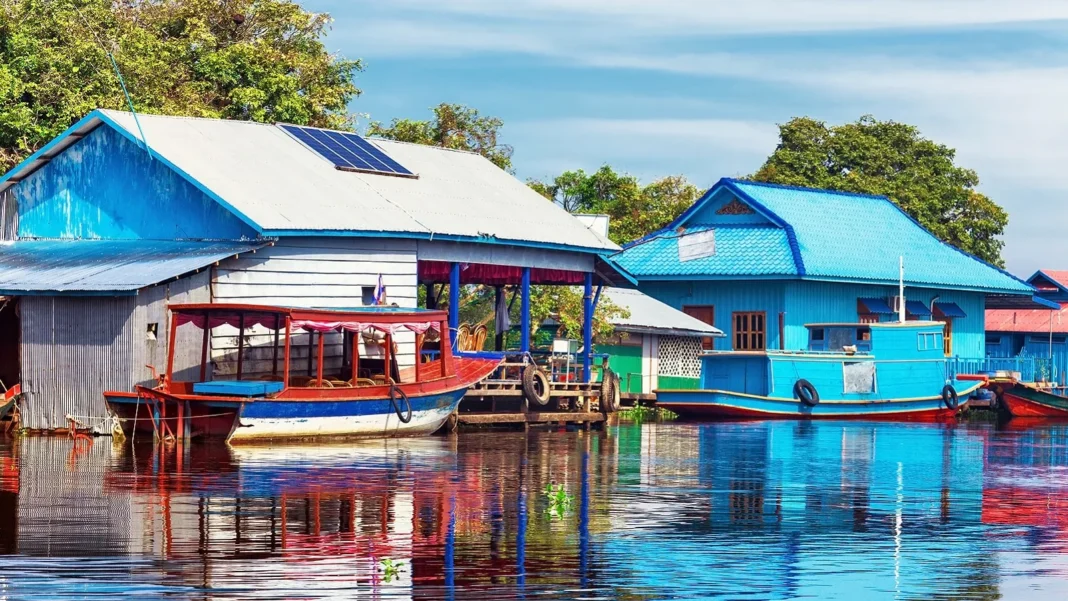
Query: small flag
{"x":380,"y":292}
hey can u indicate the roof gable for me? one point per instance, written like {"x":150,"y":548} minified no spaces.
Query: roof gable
{"x":861,"y":243}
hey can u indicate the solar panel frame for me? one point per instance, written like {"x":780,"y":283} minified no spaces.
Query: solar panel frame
{"x":347,"y":151}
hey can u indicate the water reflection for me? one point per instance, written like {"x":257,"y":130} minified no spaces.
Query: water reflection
{"x":742,"y":510}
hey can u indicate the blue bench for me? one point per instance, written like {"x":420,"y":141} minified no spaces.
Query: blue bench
{"x":238,"y":388}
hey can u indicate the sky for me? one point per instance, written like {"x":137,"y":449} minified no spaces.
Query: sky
{"x":698,"y":87}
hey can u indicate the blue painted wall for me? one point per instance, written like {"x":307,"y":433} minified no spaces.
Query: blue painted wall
{"x":105,"y":186}
{"x":806,"y":302}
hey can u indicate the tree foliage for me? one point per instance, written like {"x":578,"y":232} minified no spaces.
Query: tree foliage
{"x":634,"y":210}
{"x":259,"y":60}
{"x":454,"y":126}
{"x":895,"y":160}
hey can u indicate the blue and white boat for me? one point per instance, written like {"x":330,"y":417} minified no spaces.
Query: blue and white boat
{"x":851,"y":370}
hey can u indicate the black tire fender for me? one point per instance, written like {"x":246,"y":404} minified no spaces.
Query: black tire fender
{"x":396,"y":393}
{"x":805,"y":392}
{"x":533,"y":378}
{"x":609,"y":392}
{"x":949,"y":397}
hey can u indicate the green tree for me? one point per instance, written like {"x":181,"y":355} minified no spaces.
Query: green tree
{"x":894,"y":160}
{"x":453,"y":126}
{"x":634,"y":210}
{"x":259,"y":60}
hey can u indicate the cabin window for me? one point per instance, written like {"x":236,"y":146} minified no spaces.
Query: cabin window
{"x":859,"y":377}
{"x":929,"y":341}
{"x":152,"y":333}
{"x":750,"y":330}
{"x":367,"y":295}
{"x":947,"y":336}
{"x":703,"y":313}
{"x":994,"y":340}
{"x":818,"y":334}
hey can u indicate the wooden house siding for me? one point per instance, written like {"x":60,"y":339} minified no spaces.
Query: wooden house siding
{"x":311,"y":272}
{"x":806,"y":302}
{"x":727,"y":298}
{"x":75,"y":348}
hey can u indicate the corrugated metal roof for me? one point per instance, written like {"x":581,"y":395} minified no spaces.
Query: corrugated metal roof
{"x":740,"y":250}
{"x":819,"y":234}
{"x":283,"y":188}
{"x":34,"y":267}
{"x":1027,"y":320}
{"x":650,"y":315}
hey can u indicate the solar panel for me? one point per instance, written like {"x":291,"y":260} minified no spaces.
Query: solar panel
{"x":347,"y":151}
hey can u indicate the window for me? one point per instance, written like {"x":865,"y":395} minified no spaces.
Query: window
{"x":929,"y":341}
{"x":152,"y":333}
{"x":993,"y":340}
{"x":706,"y":314}
{"x":368,"y":295}
{"x":750,"y":331}
{"x":947,"y":335}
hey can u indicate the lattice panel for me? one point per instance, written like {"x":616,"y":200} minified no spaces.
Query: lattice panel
{"x":680,"y":356}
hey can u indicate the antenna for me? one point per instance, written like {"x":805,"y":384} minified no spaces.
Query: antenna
{"x":122,"y":82}
{"x":901,"y":289}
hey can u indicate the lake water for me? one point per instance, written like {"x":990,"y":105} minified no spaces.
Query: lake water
{"x":763,"y":510}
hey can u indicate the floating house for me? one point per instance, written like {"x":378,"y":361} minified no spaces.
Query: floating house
{"x":123,"y":213}
{"x":761,"y":261}
{"x":655,"y":345}
{"x":1036,"y":340}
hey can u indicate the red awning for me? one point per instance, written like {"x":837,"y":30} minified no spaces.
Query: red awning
{"x":496,"y":275}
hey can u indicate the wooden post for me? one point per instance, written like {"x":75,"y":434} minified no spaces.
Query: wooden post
{"x":524,"y":341}
{"x":240,"y":344}
{"x":355,"y":364}
{"x":454,"y":297}
{"x":204,"y":348}
{"x":274,"y":351}
{"x":419,"y":355}
{"x":387,"y":348}
{"x":446,"y":350}
{"x":322,"y":351}
{"x":587,"y":326}
{"x":285,"y":355}
{"x":311,"y":345}
{"x":498,"y":338}
{"x":170,"y":347}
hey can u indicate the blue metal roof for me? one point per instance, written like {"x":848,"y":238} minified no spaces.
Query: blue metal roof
{"x":825,"y":235}
{"x":950,"y":310}
{"x":48,"y":267}
{"x":877,"y":305}
{"x":740,"y":250}
{"x":917,"y":308}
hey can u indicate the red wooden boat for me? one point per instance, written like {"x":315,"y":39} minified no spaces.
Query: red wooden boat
{"x":1030,"y":401}
{"x":357,"y":390}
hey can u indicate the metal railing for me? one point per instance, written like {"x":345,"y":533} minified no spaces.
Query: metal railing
{"x":1031,"y":369}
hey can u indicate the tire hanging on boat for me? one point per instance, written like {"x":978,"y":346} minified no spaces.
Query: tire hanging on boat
{"x":806,"y":392}
{"x":403,"y":416}
{"x":533,"y":379}
{"x":949,"y":397}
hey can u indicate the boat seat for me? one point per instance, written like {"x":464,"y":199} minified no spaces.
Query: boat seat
{"x":237,"y":388}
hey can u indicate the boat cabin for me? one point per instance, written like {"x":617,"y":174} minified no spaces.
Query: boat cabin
{"x":845,"y":361}
{"x":286,"y":349}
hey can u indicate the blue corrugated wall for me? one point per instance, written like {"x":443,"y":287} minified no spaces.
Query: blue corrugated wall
{"x":105,"y":186}
{"x":806,"y":302}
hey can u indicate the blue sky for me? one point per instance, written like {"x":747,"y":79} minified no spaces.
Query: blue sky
{"x":697,"y":87}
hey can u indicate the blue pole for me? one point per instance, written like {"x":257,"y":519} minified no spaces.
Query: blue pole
{"x":587,"y":326}
{"x":454,"y":302}
{"x":524,"y":341}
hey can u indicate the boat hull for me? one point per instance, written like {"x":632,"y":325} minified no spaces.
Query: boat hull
{"x":1023,"y":401}
{"x":697,"y":404}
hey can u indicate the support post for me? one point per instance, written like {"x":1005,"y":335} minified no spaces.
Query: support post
{"x":524,"y":340}
{"x":285,"y":353}
{"x":587,"y":326}
{"x":454,"y":297}
{"x":204,"y":348}
{"x":274,"y":350}
{"x":241,"y":346}
{"x":170,"y":347}
{"x":319,"y":359}
{"x":355,"y":359}
{"x":498,"y":297}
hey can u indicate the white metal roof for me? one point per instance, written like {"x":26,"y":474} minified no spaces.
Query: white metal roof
{"x":648,"y":315}
{"x":282,"y":187}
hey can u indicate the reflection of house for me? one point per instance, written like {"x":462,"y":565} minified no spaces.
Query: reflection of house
{"x":655,"y":346}
{"x":1039,"y":333}
{"x":761,"y":261}
{"x":102,"y":229}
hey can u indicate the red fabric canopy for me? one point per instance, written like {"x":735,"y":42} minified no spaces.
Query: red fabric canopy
{"x":275,"y":320}
{"x":496,"y":275}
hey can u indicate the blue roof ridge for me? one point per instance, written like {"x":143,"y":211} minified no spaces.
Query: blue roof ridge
{"x":805,"y":188}
{"x":791,"y":236}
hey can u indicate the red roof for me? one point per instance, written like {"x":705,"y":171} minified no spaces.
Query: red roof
{"x":1060,"y":277}
{"x":1028,"y":320}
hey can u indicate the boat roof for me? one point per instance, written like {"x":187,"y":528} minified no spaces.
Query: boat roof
{"x":880,"y":324}
{"x":381,"y":314}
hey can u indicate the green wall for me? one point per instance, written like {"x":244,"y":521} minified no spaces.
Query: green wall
{"x":625,"y":360}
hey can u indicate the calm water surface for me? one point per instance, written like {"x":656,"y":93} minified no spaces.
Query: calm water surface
{"x":658,"y":511}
